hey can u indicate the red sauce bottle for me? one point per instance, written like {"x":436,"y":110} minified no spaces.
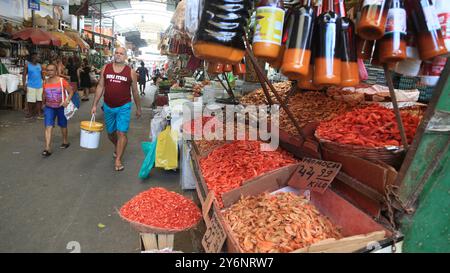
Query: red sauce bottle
{"x":327,"y":70}
{"x":239,"y":69}
{"x":427,"y":28}
{"x":372,"y":24}
{"x":393,"y":44}
{"x":297,"y":54}
{"x":227,"y":68}
{"x":268,"y":29}
{"x":349,"y":61}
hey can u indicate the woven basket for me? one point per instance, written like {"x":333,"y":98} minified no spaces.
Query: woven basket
{"x":150,"y":229}
{"x":392,"y":156}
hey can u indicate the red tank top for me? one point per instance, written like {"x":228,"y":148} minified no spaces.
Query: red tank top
{"x":117,"y":86}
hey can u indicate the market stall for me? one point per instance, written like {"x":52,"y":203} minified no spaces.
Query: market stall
{"x":358,"y":116}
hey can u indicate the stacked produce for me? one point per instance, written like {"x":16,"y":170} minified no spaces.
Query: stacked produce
{"x":228,"y":166}
{"x":372,"y":126}
{"x":195,"y":126}
{"x":160,"y":208}
{"x":281,"y":222}
{"x":205,"y":146}
{"x":257,"y":97}
{"x":311,"y":107}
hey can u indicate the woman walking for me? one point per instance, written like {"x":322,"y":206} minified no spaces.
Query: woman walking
{"x":85,"y":79}
{"x":54,"y":106}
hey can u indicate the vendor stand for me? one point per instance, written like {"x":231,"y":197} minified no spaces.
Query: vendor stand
{"x":368,"y":180}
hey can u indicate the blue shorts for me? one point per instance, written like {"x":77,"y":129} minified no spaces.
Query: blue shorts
{"x":51,"y":113}
{"x":117,"y":118}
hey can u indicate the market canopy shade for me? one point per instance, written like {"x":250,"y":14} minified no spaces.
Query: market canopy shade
{"x":76,"y":37}
{"x":37,"y":36}
{"x":65,"y":40}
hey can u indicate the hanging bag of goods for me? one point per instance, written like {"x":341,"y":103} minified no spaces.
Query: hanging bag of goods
{"x":220,"y":32}
{"x":327,"y":70}
{"x":393,"y":44}
{"x":297,"y":55}
{"x":268,"y":29}
{"x":427,"y":28}
{"x":372,"y":23}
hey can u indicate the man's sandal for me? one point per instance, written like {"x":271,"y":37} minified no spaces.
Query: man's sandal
{"x":64,"y":146}
{"x":46,"y":153}
{"x":119,"y":168}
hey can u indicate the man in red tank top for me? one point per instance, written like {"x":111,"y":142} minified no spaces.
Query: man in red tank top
{"x":115,"y":83}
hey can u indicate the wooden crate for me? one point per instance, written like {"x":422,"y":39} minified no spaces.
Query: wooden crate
{"x":153,"y":241}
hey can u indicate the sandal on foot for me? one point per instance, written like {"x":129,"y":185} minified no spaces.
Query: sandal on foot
{"x":119,"y":168}
{"x":64,"y":146}
{"x":114,"y":155}
{"x":46,"y":153}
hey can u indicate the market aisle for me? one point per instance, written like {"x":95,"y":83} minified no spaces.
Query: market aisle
{"x":46,"y":203}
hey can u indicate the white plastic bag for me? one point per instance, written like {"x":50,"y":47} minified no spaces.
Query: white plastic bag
{"x":178,"y":16}
{"x":70,"y":109}
{"x":187,"y":175}
{"x":157,"y":124}
{"x":192,"y":16}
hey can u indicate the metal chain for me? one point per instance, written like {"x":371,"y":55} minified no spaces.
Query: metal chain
{"x":391,"y":190}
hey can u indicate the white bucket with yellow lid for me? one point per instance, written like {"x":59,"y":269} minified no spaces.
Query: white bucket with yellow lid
{"x":90,"y":133}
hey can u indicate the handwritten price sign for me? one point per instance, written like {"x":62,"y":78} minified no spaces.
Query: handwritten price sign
{"x":314,"y":174}
{"x":215,"y":235}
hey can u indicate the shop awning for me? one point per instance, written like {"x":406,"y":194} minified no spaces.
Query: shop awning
{"x":65,"y":40}
{"x":37,"y":36}
{"x":76,"y":37}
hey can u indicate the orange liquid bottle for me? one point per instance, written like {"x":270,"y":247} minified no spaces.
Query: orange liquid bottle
{"x":393,"y":44}
{"x":297,"y":55}
{"x":349,"y":62}
{"x":427,"y":28}
{"x":268,"y":29}
{"x":327,"y":70}
{"x":372,"y":23}
{"x":221,"y":27}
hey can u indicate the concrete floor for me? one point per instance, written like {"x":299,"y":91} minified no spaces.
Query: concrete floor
{"x":48,"y":202}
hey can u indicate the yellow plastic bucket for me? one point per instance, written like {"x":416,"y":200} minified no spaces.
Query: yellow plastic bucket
{"x":90,"y":133}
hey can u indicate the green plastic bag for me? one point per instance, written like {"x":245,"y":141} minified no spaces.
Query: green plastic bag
{"x":149,"y":149}
{"x":167,"y":150}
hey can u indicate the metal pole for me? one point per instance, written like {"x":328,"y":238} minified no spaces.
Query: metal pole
{"x":229,"y":90}
{"x":93,"y":29}
{"x":113,"y":40}
{"x":396,"y":109}
{"x":32,"y":18}
{"x":100,"y":29}
{"x":277,"y":96}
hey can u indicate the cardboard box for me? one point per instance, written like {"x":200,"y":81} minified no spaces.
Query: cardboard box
{"x":229,"y":198}
{"x":358,"y":228}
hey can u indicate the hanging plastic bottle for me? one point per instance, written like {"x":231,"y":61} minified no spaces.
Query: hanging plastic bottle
{"x":239,"y":69}
{"x":349,"y":61}
{"x":276,"y":64}
{"x":393,"y":44}
{"x":221,"y":28}
{"x":228,"y":68}
{"x":327,"y":70}
{"x":427,"y":28}
{"x":372,"y":23}
{"x":307,"y":82}
{"x":215,"y":68}
{"x":443,"y":11}
{"x":268,"y":29}
{"x":300,"y":28}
